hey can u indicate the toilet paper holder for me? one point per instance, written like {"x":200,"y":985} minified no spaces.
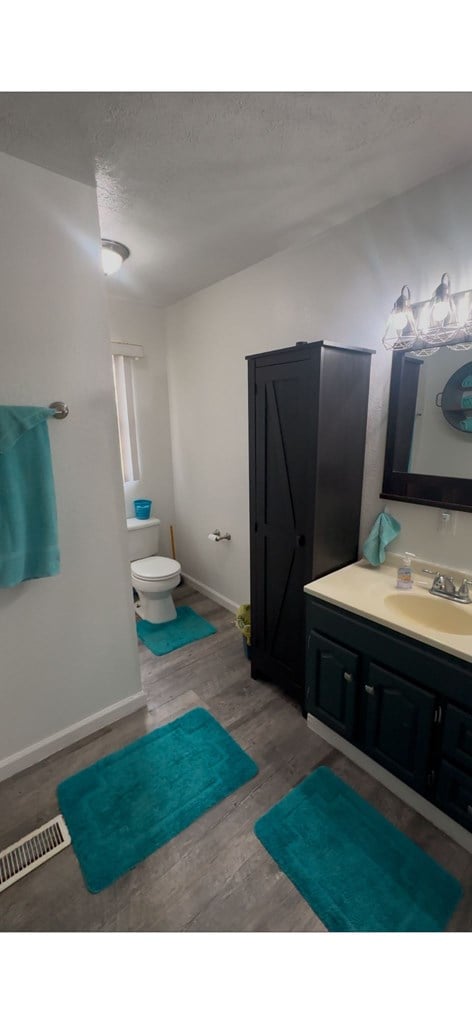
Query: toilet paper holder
{"x":218,"y":535}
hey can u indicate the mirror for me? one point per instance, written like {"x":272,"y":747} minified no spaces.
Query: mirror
{"x":428,"y":458}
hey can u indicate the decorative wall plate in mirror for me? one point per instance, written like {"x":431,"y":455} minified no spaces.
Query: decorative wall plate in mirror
{"x":455,"y":401}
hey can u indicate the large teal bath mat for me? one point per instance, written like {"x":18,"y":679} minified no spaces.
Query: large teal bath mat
{"x":355,"y":869}
{"x":168,"y":636}
{"x":130,"y":803}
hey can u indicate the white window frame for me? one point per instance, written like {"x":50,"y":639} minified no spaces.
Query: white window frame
{"x":126,"y":409}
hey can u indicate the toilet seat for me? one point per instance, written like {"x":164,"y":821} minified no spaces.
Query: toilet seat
{"x":155,"y":568}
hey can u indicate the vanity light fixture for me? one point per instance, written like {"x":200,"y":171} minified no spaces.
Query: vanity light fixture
{"x":428,"y":326}
{"x":401,"y":317}
{"x":114,"y":255}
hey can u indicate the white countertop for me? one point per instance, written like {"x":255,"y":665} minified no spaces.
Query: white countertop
{"x":363,"y":590}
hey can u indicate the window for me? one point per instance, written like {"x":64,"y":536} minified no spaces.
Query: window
{"x":125,"y":406}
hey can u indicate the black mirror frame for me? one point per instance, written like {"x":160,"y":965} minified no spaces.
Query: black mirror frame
{"x":417,"y":488}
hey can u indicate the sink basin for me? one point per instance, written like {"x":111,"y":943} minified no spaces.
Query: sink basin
{"x":435,"y":613}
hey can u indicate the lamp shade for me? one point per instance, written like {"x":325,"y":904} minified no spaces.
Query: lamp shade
{"x":113,"y":256}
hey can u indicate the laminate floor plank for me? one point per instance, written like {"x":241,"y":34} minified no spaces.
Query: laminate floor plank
{"x":214,"y":876}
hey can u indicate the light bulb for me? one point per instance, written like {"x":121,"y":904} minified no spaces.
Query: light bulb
{"x":440,"y":311}
{"x":398,"y":321}
{"x":442,"y":303}
{"x":400,"y":317}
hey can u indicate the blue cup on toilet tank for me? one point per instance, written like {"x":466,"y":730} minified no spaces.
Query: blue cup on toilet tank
{"x":142,"y":508}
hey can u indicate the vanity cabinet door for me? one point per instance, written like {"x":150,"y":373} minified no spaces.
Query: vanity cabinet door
{"x":454,"y":793}
{"x":457,"y":737}
{"x":399,"y":725}
{"x":331,"y":683}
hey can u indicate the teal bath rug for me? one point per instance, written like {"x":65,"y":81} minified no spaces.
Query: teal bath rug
{"x":357,"y":871}
{"x":127,"y":805}
{"x":168,"y":636}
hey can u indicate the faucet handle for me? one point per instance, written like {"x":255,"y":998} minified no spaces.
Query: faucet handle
{"x":463,"y":590}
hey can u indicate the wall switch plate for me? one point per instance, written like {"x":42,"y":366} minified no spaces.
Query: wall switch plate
{"x":447,"y":522}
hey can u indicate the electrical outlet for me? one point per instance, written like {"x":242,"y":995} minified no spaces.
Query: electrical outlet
{"x":447,"y":522}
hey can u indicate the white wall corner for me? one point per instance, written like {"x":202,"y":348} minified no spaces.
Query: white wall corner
{"x":58,"y":741}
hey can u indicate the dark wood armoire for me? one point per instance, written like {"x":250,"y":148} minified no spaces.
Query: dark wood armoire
{"x":307,"y":425}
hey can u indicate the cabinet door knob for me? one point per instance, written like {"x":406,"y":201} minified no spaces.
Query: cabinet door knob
{"x":369,"y":689}
{"x":348,"y":677}
{"x":301,"y":540}
{"x":469,"y":809}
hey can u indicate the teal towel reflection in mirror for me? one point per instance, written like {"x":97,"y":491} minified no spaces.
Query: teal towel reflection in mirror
{"x":384,"y":530}
{"x":467,"y":382}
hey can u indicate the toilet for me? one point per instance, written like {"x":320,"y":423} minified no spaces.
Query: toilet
{"x":152,"y":576}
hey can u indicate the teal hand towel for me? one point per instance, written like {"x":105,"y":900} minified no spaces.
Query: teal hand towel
{"x":384,"y":530}
{"x":467,"y":382}
{"x":28,"y":520}
{"x":466,"y":401}
{"x":466,"y":424}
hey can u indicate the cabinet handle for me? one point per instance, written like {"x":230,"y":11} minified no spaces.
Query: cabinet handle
{"x":469,"y":809}
{"x":369,"y":689}
{"x":348,"y":677}
{"x":301,"y":540}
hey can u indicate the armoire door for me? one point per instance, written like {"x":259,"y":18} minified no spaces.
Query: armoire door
{"x":282,"y":504}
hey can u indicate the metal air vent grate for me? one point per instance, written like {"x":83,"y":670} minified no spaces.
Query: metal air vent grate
{"x":31,"y":851}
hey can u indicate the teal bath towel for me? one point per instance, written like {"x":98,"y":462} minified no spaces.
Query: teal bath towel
{"x":384,"y":530}
{"x":28,"y":520}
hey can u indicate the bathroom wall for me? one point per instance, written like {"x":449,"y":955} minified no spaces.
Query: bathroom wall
{"x":341,"y":287}
{"x":138,"y":324}
{"x":67,"y":644}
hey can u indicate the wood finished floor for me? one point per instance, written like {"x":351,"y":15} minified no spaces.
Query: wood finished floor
{"x":215,"y":876}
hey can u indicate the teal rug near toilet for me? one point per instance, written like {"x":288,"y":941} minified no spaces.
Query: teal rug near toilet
{"x":127,"y":805}
{"x":357,"y":871}
{"x":168,"y":636}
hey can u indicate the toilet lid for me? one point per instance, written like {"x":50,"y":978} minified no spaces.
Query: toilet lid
{"x":155,"y":568}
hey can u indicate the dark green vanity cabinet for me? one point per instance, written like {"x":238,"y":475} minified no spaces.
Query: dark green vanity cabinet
{"x":404,"y":704}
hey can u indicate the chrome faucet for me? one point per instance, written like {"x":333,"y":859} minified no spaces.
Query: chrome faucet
{"x":444,"y":586}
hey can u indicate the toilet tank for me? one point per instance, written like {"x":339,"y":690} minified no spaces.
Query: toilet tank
{"x":143,"y":538}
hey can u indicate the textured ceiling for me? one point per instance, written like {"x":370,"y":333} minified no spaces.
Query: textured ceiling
{"x":201,"y":185}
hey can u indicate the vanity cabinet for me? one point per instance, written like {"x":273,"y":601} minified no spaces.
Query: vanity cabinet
{"x":404,"y":704}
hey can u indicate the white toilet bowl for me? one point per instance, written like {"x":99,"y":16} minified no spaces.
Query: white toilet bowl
{"x":154,"y":579}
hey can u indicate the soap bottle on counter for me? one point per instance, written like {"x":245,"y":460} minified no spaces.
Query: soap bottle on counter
{"x":404,"y":576}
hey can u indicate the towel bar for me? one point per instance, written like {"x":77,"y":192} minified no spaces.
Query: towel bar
{"x":62,"y":410}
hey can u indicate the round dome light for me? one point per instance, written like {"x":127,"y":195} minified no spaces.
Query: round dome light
{"x":113,"y":256}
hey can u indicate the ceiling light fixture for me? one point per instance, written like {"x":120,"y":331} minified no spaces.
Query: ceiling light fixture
{"x":114,"y":255}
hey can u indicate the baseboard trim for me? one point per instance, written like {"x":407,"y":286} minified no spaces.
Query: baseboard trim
{"x":409,"y":796}
{"x":209,"y":592}
{"x":59,"y":740}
